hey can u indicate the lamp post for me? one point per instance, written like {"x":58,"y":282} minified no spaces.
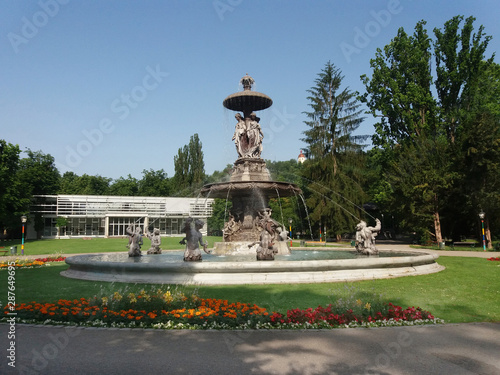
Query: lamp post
{"x":481,"y":216}
{"x":290,"y":221}
{"x":23,"y":220}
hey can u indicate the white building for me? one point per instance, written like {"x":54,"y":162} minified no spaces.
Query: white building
{"x":109,"y":216}
{"x":301,"y":158}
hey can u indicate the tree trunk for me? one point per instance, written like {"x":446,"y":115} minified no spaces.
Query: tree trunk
{"x":437,"y":227}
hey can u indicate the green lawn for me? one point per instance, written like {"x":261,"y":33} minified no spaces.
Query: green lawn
{"x":94,"y":245}
{"x":467,"y":291}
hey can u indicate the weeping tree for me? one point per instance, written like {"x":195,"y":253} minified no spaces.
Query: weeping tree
{"x":335,"y":162}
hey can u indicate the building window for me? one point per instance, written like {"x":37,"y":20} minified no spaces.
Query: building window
{"x":118,"y":225}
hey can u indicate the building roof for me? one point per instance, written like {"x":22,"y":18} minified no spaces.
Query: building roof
{"x":110,"y":205}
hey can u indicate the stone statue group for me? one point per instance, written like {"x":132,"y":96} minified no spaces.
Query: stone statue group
{"x":248,"y":136}
{"x":193,"y":240}
{"x":270,"y":232}
{"x":135,"y":241}
{"x":268,"y":229}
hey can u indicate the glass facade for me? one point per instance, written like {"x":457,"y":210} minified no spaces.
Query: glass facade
{"x":109,"y":216}
{"x":118,"y":225}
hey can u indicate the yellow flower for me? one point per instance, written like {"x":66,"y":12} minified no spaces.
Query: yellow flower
{"x":368,"y":306}
{"x":104,"y":301}
{"x":117,"y":296}
{"x":131,"y":298}
{"x":359,"y":302}
{"x":167,"y":297}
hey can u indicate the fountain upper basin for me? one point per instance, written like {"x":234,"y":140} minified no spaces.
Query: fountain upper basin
{"x":270,"y":189}
{"x":150,"y":269}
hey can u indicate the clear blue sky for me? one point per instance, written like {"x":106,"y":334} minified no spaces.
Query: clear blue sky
{"x":115,"y":87}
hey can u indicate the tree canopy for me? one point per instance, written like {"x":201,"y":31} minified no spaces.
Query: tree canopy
{"x":427,"y":140}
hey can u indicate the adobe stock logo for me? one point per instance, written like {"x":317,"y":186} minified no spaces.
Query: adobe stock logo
{"x":278,"y":123}
{"x":363,"y":37}
{"x":122,"y":107}
{"x":31,"y":26}
{"x":224,"y":6}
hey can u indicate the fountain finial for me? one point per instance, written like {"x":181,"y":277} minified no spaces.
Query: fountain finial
{"x":247,"y":82}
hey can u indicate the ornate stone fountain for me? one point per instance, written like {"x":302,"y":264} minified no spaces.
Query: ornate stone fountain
{"x":250,"y":230}
{"x":249,"y":226}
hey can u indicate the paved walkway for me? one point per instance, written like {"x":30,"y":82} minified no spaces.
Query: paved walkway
{"x":442,"y":349}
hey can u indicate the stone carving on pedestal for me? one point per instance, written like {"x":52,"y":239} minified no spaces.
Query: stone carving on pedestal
{"x":250,"y":186}
{"x":265,"y":250}
{"x":194,"y":240}
{"x":239,"y":137}
{"x":230,"y":227}
{"x":134,"y":241}
{"x":155,"y":241}
{"x":365,"y":237}
{"x":248,"y":136}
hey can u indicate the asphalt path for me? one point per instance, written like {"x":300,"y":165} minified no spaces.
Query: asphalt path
{"x":471,"y":348}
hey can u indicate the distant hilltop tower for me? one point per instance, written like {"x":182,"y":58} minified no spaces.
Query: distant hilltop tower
{"x":301,"y":158}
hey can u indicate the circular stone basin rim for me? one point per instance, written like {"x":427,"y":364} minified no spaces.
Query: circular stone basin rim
{"x":82,"y":263}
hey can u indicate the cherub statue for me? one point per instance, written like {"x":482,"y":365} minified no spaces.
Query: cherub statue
{"x":282,"y":234}
{"x":134,"y":241}
{"x":194,"y":240}
{"x":155,"y":241}
{"x":265,"y":250}
{"x":268,"y":223}
{"x":230,"y":227}
{"x":365,"y":237}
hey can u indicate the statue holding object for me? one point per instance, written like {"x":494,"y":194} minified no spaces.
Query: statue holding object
{"x":270,"y":233}
{"x":134,"y":241}
{"x":155,"y":241}
{"x":265,"y":250}
{"x":365,"y":237}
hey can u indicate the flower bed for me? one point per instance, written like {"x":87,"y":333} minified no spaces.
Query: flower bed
{"x":329,"y":316}
{"x":497,"y":259}
{"x":52,"y":259}
{"x":30,"y":263}
{"x":174,"y":310}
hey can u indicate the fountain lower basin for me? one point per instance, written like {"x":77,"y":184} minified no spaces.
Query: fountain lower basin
{"x":170,"y":269}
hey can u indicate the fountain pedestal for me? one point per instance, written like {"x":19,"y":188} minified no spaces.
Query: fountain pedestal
{"x":249,"y":227}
